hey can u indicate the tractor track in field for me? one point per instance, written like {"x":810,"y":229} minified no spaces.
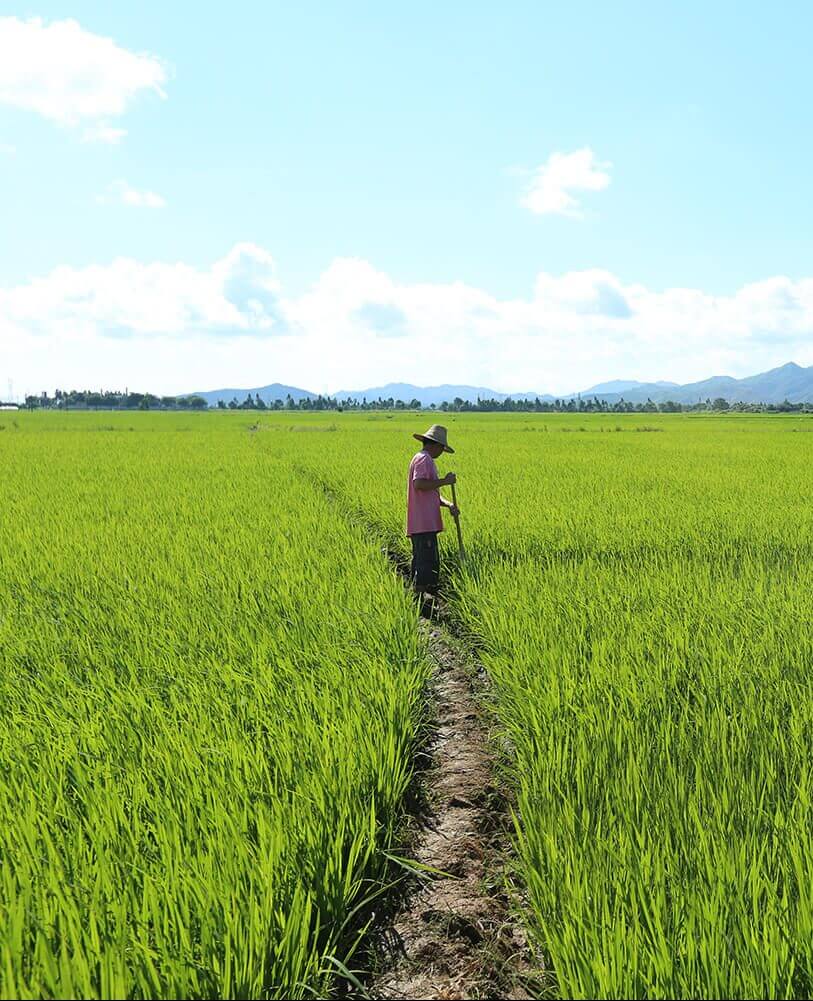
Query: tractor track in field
{"x":454,"y":935}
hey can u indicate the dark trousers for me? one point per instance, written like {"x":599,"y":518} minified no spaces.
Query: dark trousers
{"x":425,"y":562}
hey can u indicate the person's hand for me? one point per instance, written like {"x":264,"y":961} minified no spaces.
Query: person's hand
{"x":449,"y":479}
{"x":454,"y":510}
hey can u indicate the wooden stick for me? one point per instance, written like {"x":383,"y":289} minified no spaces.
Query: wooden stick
{"x":461,"y":550}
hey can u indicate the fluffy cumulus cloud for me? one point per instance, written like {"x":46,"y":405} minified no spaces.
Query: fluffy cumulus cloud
{"x":121,"y":192}
{"x":237,"y":297}
{"x":552,"y":187}
{"x":71,"y":76}
{"x":583,"y":293}
{"x":383,"y":318}
{"x":175,"y":328}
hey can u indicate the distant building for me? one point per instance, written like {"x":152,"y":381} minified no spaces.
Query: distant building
{"x":9,"y":406}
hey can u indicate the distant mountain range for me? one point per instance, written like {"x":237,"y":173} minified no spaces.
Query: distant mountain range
{"x":619,"y":386}
{"x":789,"y":382}
{"x":427,"y":395}
{"x":275,"y":391}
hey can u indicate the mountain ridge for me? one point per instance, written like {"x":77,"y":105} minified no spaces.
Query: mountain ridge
{"x":790,"y":382}
{"x":427,"y":395}
{"x":269,"y":393}
{"x":787,"y":382}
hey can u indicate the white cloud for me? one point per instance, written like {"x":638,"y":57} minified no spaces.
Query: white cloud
{"x":71,"y":76}
{"x":121,"y":192}
{"x":583,"y":292}
{"x":103,"y":133}
{"x":550,"y":191}
{"x":174,"y":327}
{"x":7,"y":150}
{"x":128,"y":299}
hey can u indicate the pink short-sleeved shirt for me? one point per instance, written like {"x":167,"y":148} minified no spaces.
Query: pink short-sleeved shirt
{"x":423,"y":506}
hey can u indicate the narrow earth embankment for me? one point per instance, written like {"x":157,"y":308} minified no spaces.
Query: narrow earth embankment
{"x":454,"y":936}
{"x":450,"y":932}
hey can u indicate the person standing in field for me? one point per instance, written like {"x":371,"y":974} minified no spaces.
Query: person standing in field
{"x":424,"y":502}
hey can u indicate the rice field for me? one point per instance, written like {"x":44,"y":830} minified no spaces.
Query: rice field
{"x":212,"y":688}
{"x":640,"y":596}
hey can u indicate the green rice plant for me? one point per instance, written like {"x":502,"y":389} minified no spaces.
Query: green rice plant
{"x":212,"y":684}
{"x":211,"y":688}
{"x":642,"y":605}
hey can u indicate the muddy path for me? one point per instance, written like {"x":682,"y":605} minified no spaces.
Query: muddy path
{"x":454,"y":935}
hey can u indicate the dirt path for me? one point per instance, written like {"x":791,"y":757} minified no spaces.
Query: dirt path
{"x":454,"y":937}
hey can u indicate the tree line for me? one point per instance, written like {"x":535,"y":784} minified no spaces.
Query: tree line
{"x":88,"y":399}
{"x":114,"y":400}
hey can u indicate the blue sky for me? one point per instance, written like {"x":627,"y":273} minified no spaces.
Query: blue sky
{"x":406,"y":139}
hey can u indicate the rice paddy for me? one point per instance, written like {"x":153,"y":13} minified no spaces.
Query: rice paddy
{"x":212,"y":687}
{"x":210,"y":691}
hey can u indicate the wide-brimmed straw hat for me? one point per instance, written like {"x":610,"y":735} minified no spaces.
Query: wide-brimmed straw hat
{"x":437,"y":434}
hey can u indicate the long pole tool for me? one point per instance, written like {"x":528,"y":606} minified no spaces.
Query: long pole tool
{"x":460,"y":548}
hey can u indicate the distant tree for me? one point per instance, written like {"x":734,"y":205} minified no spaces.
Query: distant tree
{"x":221,"y":404}
{"x":720,"y":404}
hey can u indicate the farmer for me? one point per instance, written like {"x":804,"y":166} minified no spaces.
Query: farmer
{"x":423,"y":509}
